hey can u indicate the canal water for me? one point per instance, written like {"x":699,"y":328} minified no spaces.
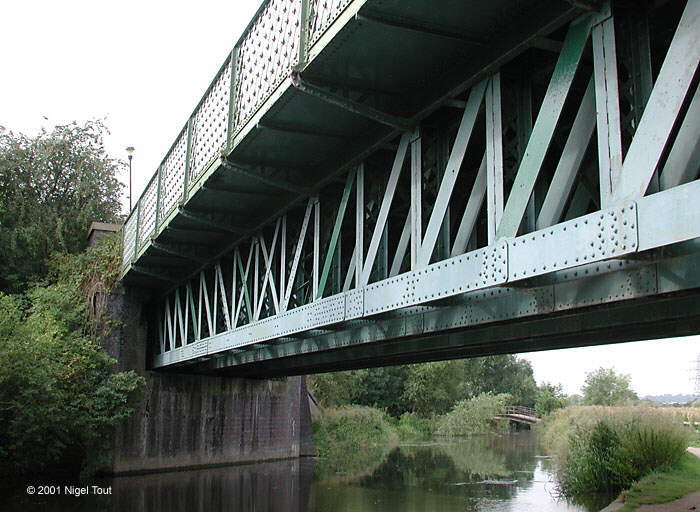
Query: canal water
{"x":485,"y":474}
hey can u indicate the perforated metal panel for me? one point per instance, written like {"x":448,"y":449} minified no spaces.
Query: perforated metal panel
{"x":173,"y":174}
{"x":265,"y":56}
{"x":148,"y":210}
{"x":323,"y":14}
{"x":211,"y":124}
{"x":129,"y":234}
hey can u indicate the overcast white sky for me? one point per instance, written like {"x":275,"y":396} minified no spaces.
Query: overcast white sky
{"x":145,"y":64}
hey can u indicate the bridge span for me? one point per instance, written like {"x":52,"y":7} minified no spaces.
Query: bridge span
{"x":374,"y":182}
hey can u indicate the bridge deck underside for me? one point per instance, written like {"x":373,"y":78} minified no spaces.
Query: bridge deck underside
{"x":431,"y":183}
{"x":298,"y":142}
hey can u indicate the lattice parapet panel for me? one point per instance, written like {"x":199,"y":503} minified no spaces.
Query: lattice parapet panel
{"x":148,"y":210}
{"x":323,"y":14}
{"x":172,"y":175}
{"x":129,"y":233}
{"x":211,"y":124}
{"x":266,"y":55}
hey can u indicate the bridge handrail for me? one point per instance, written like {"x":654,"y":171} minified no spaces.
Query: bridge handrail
{"x":521,"y":410}
{"x":271,"y":45}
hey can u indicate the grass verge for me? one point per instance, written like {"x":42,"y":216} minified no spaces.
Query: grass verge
{"x":663,"y":486}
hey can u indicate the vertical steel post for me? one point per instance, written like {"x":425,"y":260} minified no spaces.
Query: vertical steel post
{"x":416,"y":197}
{"x":608,"y":108}
{"x":255,"y":276}
{"x":359,"y":224}
{"x":494,"y":156}
{"x":523,"y":123}
{"x":283,"y":258}
{"x":443,"y":239}
{"x":316,"y":249}
{"x":304,"y":11}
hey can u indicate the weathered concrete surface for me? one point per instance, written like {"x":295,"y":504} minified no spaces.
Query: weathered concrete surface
{"x":187,"y":420}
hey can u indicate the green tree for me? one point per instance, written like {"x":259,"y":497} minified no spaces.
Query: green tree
{"x":549,"y":398}
{"x":383,"y":388}
{"x":51,"y":187}
{"x":334,"y":389}
{"x":501,"y":374}
{"x":433,"y":388}
{"x":58,"y":393}
{"x":605,"y":387}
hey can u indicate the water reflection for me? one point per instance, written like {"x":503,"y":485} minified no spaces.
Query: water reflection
{"x":481,"y":474}
{"x":278,"y":486}
{"x":484,"y":474}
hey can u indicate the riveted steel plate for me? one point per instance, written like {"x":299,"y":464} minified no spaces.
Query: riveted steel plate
{"x":472,"y":271}
{"x":621,"y":285}
{"x":598,"y":236}
{"x":330,"y":310}
{"x":392,"y":293}
{"x":317,"y":314}
{"x":226,"y":340}
{"x":354,"y":304}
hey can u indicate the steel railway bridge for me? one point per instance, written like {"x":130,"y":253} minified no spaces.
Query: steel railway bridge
{"x":373,"y":182}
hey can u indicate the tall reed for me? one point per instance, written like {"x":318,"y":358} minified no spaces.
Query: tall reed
{"x":606,"y":449}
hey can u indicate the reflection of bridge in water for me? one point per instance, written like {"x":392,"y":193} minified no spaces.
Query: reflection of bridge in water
{"x":519,"y":414}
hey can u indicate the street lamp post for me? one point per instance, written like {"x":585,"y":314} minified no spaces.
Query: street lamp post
{"x":130,"y":153}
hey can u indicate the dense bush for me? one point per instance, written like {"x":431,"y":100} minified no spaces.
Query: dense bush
{"x":412,"y":427}
{"x":352,"y":438}
{"x":606,"y":449}
{"x":58,"y":393}
{"x":472,"y":416}
{"x":549,"y":398}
